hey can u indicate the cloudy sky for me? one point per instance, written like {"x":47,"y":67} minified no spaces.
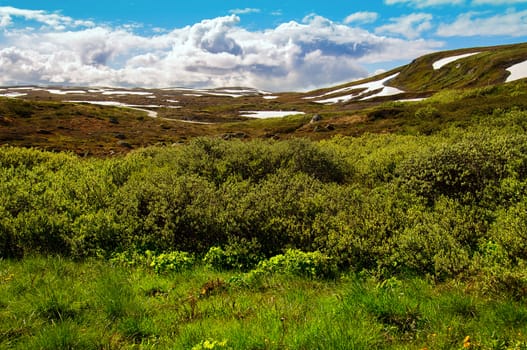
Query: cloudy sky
{"x":273,"y":45}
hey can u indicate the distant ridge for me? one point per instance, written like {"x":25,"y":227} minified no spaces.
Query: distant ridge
{"x":454,"y":69}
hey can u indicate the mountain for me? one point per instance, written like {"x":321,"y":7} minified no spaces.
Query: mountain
{"x":424,"y":96}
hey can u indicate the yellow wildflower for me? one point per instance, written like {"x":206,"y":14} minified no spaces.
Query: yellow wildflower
{"x":466,"y":342}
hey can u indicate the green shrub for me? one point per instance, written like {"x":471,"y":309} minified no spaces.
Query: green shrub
{"x":356,"y":228}
{"x":95,"y":234}
{"x":9,"y":244}
{"x":217,"y":160}
{"x":299,"y":263}
{"x":428,"y":112}
{"x":277,"y":212}
{"x":25,"y":158}
{"x":132,"y":258}
{"x":439,"y":243}
{"x":461,"y":170}
{"x":172,"y":262}
{"x":293,"y":262}
{"x":239,"y":254}
{"x":510,"y":230}
{"x":494,"y":271}
{"x":162,"y":211}
{"x":300,"y":155}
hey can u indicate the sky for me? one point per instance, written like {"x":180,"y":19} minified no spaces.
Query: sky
{"x":271,"y":45}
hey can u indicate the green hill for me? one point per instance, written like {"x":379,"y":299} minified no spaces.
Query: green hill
{"x":475,"y":67}
{"x":488,"y":66}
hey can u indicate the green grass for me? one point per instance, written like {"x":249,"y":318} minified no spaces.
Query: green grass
{"x":55,"y":303}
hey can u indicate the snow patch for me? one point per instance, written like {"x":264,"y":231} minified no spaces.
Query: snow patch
{"x":518,"y":71}
{"x":125,"y":92}
{"x":223,"y":94}
{"x":386,"y":91}
{"x":444,"y":61}
{"x":189,"y":121}
{"x":270,"y":97}
{"x":64,"y":92}
{"x":13,"y":94}
{"x":151,"y":114}
{"x":182,"y":89}
{"x":412,"y":99}
{"x":117,"y":104}
{"x":268,"y":114}
{"x":367,"y":87}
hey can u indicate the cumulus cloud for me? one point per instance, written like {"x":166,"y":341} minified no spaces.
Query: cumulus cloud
{"x":215,"y":52}
{"x":424,"y":3}
{"x":410,"y":26}
{"x":362,"y":17}
{"x":511,"y":23}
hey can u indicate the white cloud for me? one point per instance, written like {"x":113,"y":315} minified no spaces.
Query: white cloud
{"x":424,"y":3}
{"x":362,"y":17}
{"x":410,"y":26}
{"x":498,"y":2}
{"x":53,"y":20}
{"x":215,"y":52}
{"x":244,"y":11}
{"x":511,"y":23}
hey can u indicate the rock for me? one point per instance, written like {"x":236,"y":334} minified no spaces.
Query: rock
{"x":330,"y":127}
{"x":234,"y":135}
{"x":124,"y":144}
{"x":316,"y":118}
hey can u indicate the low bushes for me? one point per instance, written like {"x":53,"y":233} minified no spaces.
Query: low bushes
{"x":390,"y":204}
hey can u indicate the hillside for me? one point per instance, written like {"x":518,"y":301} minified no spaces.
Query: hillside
{"x":105,"y":121}
{"x":426,"y":75}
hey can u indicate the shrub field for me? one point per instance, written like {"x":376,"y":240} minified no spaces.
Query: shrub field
{"x":399,"y":241}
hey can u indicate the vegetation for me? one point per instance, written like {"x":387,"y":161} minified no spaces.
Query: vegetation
{"x":405,"y":240}
{"x":55,"y":303}
{"x":408,"y":234}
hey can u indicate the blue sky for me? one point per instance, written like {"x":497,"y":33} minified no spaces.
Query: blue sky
{"x":274,"y":45}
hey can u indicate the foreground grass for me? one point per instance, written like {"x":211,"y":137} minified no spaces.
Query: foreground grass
{"x":53,"y":303}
